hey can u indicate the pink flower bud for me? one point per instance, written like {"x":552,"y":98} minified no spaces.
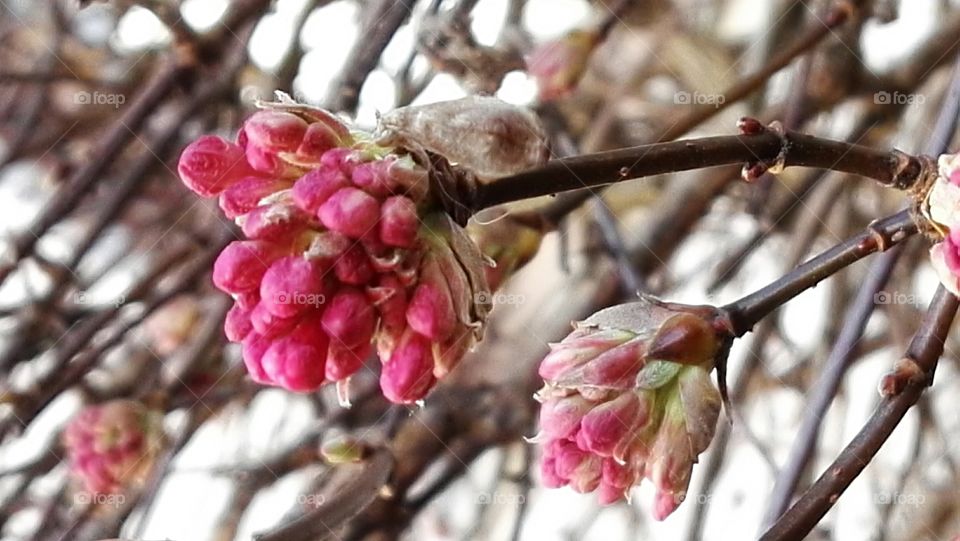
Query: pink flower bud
{"x":431,"y":311}
{"x":945,"y":258}
{"x":292,"y":285}
{"x":560,"y":418}
{"x":607,"y":428}
{"x":268,"y":324}
{"x":399,"y":222}
{"x":373,"y":177}
{"x":408,"y":375}
{"x":349,"y":318}
{"x":559,"y":65}
{"x":353,"y":267}
{"x":277,"y":221}
{"x":236,"y":325}
{"x":295,"y":365}
{"x":242,"y":264}
{"x":390,"y":298}
{"x":210,"y":165}
{"x":318,"y":139}
{"x":343,"y":362}
{"x":314,"y":188}
{"x":447,"y":354}
{"x":274,"y":131}
{"x":248,"y":299}
{"x":579,"y":347}
{"x":254,"y":346}
{"x":246,"y":195}
{"x":350,"y":211}
{"x":616,"y":368}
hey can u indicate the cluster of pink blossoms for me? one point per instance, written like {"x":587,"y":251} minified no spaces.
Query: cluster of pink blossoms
{"x":343,"y":255}
{"x":943,"y":208}
{"x":110,"y":445}
{"x":628,"y":396}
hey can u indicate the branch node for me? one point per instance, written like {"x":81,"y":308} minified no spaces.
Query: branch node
{"x":906,"y":371}
{"x":454,"y":188}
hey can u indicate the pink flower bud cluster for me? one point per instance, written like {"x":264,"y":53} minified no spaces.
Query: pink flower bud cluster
{"x":620,"y":405}
{"x":559,"y":65}
{"x":943,"y":209}
{"x":110,"y":445}
{"x":342,"y":256}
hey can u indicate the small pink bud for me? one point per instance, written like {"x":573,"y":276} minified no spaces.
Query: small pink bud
{"x":343,"y":362}
{"x":291,"y":285}
{"x":242,"y":264}
{"x":246,"y":195}
{"x":579,"y":347}
{"x":236,"y":326}
{"x":254,"y":346}
{"x":608,"y":427}
{"x":342,"y":158}
{"x":210,"y":165}
{"x":318,"y":139}
{"x":448,"y":354}
{"x":276,"y":222}
{"x":314,"y":188}
{"x":268,"y":324}
{"x":399,"y":222}
{"x":548,"y":474}
{"x":390,"y":298}
{"x":618,"y":475}
{"x":353,"y":267}
{"x":274,"y":131}
{"x":431,"y":311}
{"x":295,"y":365}
{"x":581,"y":470}
{"x":349,"y":318}
{"x":408,"y":375}
{"x":269,"y":163}
{"x":559,"y":65}
{"x":248,"y":299}
{"x":560,"y":418}
{"x":373,"y":177}
{"x":616,"y":368}
{"x":350,"y":211}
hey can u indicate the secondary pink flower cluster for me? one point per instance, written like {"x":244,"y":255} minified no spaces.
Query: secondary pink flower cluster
{"x":943,"y":208}
{"x":342,"y":255}
{"x":110,"y":445}
{"x":623,"y":404}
